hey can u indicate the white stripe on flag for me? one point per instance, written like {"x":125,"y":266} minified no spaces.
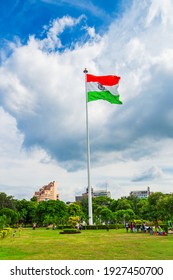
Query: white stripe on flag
{"x":95,"y":86}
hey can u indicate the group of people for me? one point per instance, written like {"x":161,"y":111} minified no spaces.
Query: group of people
{"x":131,"y":226}
{"x":152,"y":230}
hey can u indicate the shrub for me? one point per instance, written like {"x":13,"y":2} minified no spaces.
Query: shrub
{"x":70,"y":231}
{"x":5,"y":232}
{"x":164,"y":227}
{"x":73,"y":221}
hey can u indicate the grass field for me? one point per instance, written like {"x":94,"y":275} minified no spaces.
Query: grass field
{"x":42,"y":244}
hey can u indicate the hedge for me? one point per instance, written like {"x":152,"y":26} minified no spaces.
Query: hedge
{"x":109,"y":226}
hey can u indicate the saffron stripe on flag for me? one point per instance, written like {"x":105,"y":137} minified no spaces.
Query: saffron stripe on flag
{"x":108,"y":80}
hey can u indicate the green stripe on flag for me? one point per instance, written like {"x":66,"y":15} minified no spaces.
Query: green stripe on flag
{"x":105,"y":95}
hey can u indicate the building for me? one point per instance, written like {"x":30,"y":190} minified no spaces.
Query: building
{"x":98,"y":193}
{"x":47,"y":192}
{"x":101,"y":193}
{"x":142,"y":193}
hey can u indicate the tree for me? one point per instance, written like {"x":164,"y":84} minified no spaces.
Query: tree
{"x":102,"y":201}
{"x":34,"y":199}
{"x":7,"y":201}
{"x":169,"y":206}
{"x":27,"y":211}
{"x":3,"y":221}
{"x":106,"y":215}
{"x":143,"y":209}
{"x":84,"y":208}
{"x":165,"y":207}
{"x":154,"y":201}
{"x":74,"y":209}
{"x":11,"y":216}
{"x":113,"y":205}
{"x":119,"y":216}
{"x":48,"y":220}
{"x":133,"y":202}
{"x":32,"y":211}
{"x":53,"y":208}
{"x":123,"y":204}
{"x":124,"y":215}
{"x":129,"y":214}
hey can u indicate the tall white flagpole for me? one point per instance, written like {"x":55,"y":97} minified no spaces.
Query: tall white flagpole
{"x":88,"y":157}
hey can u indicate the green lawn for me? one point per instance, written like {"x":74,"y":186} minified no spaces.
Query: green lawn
{"x":42,"y":244}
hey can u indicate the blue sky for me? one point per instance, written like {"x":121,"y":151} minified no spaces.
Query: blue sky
{"x":44,"y":47}
{"x":24,"y":18}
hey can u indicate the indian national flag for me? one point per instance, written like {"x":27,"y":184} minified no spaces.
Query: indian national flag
{"x":103,"y":87}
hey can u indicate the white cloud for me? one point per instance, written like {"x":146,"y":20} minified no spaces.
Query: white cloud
{"x":160,"y":10}
{"x":57,"y":26}
{"x":11,"y":138}
{"x":150,"y":174}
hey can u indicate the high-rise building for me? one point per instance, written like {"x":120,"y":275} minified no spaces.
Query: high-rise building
{"x":47,"y":192}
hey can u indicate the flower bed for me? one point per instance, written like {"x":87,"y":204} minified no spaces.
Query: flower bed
{"x":70,"y":231}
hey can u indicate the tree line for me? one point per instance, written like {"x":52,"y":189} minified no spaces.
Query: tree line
{"x":157,"y":206}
